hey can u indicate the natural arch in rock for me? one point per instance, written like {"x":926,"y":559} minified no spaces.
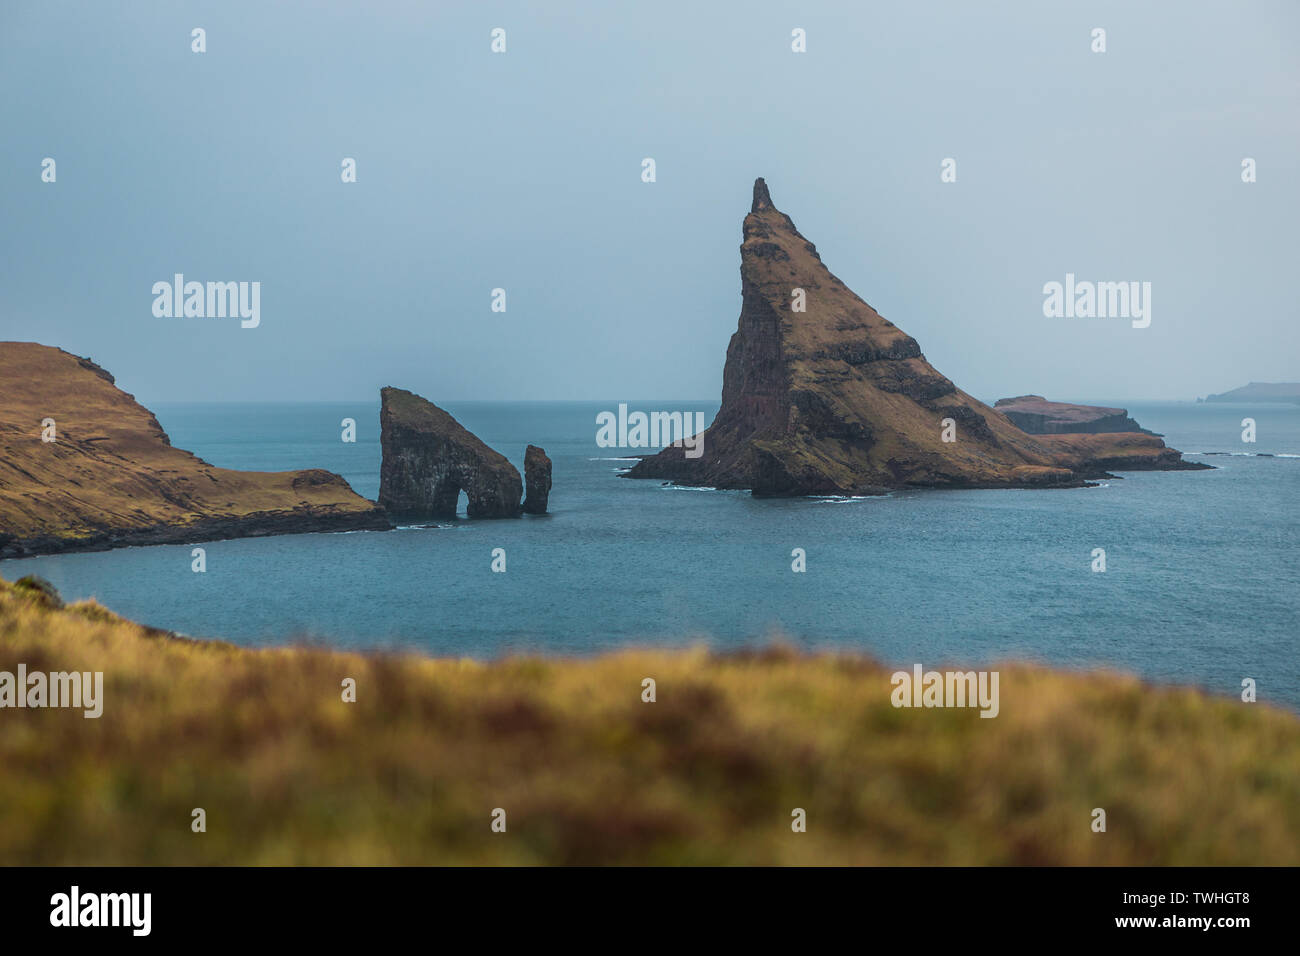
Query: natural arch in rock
{"x":429,"y":458}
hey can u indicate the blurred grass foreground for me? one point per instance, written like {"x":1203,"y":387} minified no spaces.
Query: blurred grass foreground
{"x":711,"y":772}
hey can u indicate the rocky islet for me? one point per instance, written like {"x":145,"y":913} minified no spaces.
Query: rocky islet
{"x":823,"y":395}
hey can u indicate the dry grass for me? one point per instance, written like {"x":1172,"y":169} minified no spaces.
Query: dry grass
{"x":587,"y":773}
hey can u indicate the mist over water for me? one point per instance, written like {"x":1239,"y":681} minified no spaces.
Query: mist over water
{"x":1202,"y":584}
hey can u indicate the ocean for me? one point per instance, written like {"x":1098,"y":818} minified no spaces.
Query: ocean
{"x":1201,"y":586}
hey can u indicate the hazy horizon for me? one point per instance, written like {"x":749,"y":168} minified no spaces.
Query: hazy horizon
{"x":522,"y":171}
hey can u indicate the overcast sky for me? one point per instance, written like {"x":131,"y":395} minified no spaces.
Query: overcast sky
{"x":522,"y":170}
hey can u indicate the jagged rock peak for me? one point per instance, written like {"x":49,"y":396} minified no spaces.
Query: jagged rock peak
{"x":823,"y":395}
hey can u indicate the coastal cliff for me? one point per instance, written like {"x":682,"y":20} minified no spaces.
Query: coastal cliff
{"x":86,"y":467}
{"x":429,"y":458}
{"x":823,"y":395}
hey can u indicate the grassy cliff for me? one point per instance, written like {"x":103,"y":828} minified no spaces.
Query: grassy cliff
{"x":107,"y":474}
{"x":287,"y":772}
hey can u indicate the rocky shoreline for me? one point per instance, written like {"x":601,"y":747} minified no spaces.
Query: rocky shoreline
{"x":206,"y":530}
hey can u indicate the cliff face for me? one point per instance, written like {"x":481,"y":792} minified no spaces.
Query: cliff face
{"x":112,"y":478}
{"x":429,"y":458}
{"x":1037,"y":416}
{"x":836,"y":399}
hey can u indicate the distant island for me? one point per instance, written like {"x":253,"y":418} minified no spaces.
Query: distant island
{"x":1037,"y":416}
{"x":823,"y":395}
{"x":1260,"y":392}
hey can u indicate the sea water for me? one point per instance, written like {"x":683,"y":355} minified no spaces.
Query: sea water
{"x":1202,"y":583}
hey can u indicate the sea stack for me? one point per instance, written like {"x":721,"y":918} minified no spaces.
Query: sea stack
{"x":85,"y":467}
{"x":429,"y":458}
{"x":822,"y":395}
{"x":537,"y":480}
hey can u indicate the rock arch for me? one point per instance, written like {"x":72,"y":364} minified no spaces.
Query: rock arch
{"x":429,"y":458}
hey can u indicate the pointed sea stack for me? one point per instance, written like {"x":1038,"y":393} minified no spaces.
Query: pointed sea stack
{"x":429,"y":458}
{"x":835,"y":399}
{"x":537,"y":480}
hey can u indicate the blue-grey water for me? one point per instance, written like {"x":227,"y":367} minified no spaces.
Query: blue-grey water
{"x":1201,"y":584}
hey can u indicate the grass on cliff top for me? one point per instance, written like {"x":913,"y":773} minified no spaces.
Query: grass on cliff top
{"x":588,"y":773}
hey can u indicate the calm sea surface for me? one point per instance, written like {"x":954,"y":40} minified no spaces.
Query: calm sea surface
{"x":1202,"y":583}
